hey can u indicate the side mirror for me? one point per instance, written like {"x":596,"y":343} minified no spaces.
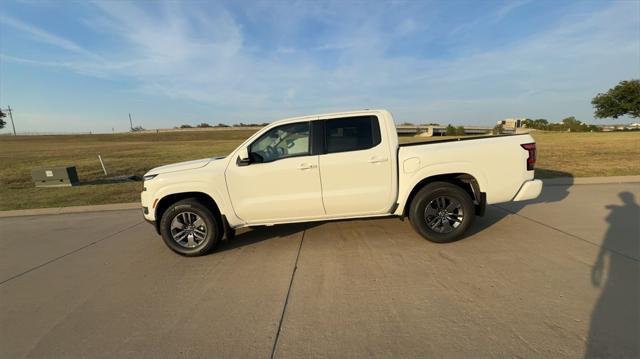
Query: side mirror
{"x":243,"y":157}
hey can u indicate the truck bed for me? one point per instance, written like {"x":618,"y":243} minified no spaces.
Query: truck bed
{"x":498,"y":163}
{"x":457,"y":139}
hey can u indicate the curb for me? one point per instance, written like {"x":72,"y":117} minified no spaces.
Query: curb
{"x":562,"y":181}
{"x":569,"y":181}
{"x":74,"y":209}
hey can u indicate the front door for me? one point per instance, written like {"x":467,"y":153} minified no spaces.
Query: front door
{"x":282,"y":180}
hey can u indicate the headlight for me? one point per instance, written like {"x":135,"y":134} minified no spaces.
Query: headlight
{"x":148,"y":177}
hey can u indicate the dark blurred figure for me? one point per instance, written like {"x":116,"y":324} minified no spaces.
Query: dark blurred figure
{"x":615,"y":321}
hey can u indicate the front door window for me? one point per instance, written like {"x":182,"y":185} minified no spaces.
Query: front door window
{"x":284,"y":141}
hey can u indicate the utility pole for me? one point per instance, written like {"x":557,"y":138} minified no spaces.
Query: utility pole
{"x":11,"y":118}
{"x":130,"y":122}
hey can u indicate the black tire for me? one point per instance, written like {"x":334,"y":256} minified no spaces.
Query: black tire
{"x":191,"y":208}
{"x":447,"y":203}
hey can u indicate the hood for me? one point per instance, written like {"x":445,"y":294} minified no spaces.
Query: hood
{"x":182,"y":166}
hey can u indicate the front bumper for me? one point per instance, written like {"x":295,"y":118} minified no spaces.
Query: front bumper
{"x":529,"y":190}
{"x":147,"y":205}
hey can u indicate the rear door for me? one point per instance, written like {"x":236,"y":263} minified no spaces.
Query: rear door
{"x":355,"y":167}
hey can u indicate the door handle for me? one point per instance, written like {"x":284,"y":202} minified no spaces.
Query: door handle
{"x":376,"y":159}
{"x":306,"y":166}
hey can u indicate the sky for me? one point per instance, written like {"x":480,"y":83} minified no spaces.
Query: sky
{"x":84,"y":66}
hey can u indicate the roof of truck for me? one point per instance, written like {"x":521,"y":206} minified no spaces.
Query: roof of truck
{"x":329,"y":114}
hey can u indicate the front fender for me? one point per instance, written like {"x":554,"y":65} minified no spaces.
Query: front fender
{"x":164,"y":190}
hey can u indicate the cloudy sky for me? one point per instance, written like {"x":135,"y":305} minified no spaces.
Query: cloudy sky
{"x":83,"y":66}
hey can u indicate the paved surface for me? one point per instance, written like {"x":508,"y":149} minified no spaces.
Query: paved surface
{"x":559,"y":277}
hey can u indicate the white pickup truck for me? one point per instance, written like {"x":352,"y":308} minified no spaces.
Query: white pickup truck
{"x":337,"y":166}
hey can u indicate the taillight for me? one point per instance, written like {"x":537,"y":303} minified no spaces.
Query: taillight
{"x":531,"y":160}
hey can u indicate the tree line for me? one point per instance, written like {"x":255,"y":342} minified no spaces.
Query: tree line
{"x":567,"y":124}
{"x":221,"y":125}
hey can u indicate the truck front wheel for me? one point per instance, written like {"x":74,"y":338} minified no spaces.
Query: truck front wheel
{"x":189,"y":228}
{"x":441,"y":212}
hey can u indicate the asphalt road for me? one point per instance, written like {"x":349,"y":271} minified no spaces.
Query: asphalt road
{"x":559,"y":277}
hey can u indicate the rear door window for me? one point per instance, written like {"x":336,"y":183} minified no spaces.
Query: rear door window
{"x":351,"y":134}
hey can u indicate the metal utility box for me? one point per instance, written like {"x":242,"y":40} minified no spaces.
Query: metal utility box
{"x":55,"y":176}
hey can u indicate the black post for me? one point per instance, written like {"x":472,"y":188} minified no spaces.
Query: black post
{"x":11,"y":117}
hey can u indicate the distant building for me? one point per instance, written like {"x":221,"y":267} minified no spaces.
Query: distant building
{"x":435,"y":131}
{"x":404,"y":130}
{"x":511,"y":125}
{"x":421,"y":130}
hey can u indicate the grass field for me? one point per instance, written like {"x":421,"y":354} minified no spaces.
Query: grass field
{"x":575,"y":154}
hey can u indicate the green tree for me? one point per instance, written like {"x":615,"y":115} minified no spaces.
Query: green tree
{"x":450,"y":130}
{"x":571,"y":123}
{"x":2,"y":122}
{"x":624,"y":99}
{"x":540,"y":124}
{"x":556,"y":127}
{"x":497,"y":129}
{"x":460,"y":131}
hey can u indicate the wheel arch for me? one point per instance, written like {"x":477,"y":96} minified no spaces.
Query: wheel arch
{"x":466,"y":181}
{"x":165,"y":202}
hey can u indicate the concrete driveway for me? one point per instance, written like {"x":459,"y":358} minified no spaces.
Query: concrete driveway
{"x":559,"y":277}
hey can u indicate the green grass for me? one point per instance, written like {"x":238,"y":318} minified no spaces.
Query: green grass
{"x":572,"y":154}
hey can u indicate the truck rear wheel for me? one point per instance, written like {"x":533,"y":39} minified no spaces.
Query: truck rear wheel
{"x":441,"y":212}
{"x":189,"y":228}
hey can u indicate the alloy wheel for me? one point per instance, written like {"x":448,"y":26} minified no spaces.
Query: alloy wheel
{"x":444,"y":214}
{"x":188,"y":229}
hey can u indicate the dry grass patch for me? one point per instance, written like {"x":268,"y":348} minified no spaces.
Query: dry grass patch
{"x":588,"y":154}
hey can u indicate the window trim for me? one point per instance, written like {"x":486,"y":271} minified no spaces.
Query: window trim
{"x":309,"y":150}
{"x":317,"y":140}
{"x":376,"y":136}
